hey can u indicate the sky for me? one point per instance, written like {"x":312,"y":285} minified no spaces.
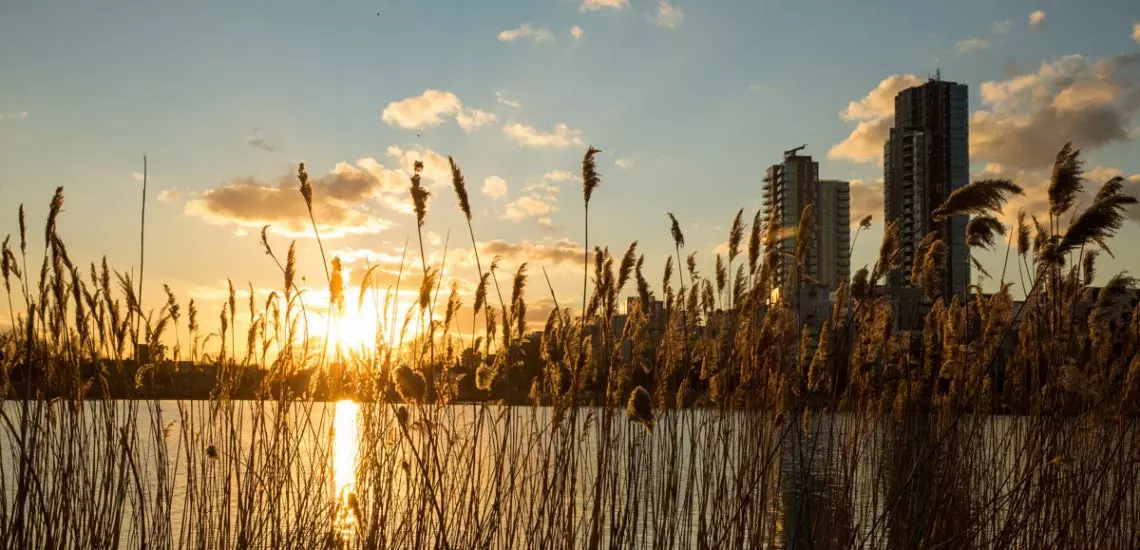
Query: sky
{"x":688,"y":100}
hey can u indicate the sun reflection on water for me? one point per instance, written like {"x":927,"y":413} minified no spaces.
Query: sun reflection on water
{"x":345,"y":448}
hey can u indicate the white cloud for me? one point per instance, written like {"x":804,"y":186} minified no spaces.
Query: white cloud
{"x":495,"y":187}
{"x":624,"y":162}
{"x":137,"y":176}
{"x":527,"y":136}
{"x":526,"y":32}
{"x":1002,"y":27}
{"x":755,"y":88}
{"x":523,"y":208}
{"x":10,"y":116}
{"x":169,"y":195}
{"x":875,"y":113}
{"x":431,"y":109}
{"x":1037,"y":19}
{"x":594,"y":5}
{"x":558,"y":175}
{"x":1135,"y":33}
{"x":972,"y":45}
{"x":473,"y":119}
{"x":668,"y":15}
{"x":428,"y":109}
{"x":576,"y":32}
{"x":504,"y":100}
{"x":436,"y":167}
{"x":881,"y":100}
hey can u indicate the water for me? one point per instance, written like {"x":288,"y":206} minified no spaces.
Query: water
{"x":354,"y":475}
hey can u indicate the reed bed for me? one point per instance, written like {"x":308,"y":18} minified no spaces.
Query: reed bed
{"x":962,"y":420}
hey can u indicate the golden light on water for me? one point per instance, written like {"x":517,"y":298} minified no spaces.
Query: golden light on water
{"x":345,"y":444}
{"x":344,"y":451}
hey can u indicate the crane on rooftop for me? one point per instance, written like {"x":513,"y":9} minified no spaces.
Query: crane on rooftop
{"x":792,"y":152}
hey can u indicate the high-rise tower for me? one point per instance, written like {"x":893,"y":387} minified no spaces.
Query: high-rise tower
{"x":927,"y":157}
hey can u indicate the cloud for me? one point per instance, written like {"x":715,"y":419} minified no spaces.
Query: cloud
{"x":12,"y":116}
{"x":473,"y":119}
{"x":1001,"y":27}
{"x":865,"y":144}
{"x":137,"y":176}
{"x":624,"y":162}
{"x":972,"y":45}
{"x":340,"y":201}
{"x":351,"y":255}
{"x":866,"y":200}
{"x":1136,"y":33}
{"x":428,"y":109}
{"x":875,"y":113}
{"x":1037,"y":19}
{"x":558,"y":175}
{"x":668,"y":15}
{"x":544,"y":188}
{"x":562,"y":251}
{"x":170,"y":195}
{"x":595,"y":5}
{"x":527,"y":136}
{"x":1035,"y":183}
{"x":526,"y":32}
{"x":431,"y":109}
{"x":504,"y":100}
{"x":576,"y":32}
{"x":1025,"y":119}
{"x":495,"y":187}
{"x":755,"y":88}
{"x":547,"y":187}
{"x":880,"y":101}
{"x":529,"y":207}
{"x":437,"y":169}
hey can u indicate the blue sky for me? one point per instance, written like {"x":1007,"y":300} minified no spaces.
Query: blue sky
{"x":694,"y":98}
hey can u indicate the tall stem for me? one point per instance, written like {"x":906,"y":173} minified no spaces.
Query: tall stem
{"x":142,"y":256}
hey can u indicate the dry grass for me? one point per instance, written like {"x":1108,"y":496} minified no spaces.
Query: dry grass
{"x":982,"y":423}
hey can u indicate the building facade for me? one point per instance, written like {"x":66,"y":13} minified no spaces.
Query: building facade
{"x":791,"y":186}
{"x":926,"y":157}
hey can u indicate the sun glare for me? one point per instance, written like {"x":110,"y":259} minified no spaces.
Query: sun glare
{"x":362,"y":328}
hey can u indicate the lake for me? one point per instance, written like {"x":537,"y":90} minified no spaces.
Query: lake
{"x":198,"y":474}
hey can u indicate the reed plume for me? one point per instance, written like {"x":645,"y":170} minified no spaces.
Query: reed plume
{"x":306,"y":189}
{"x":977,"y":198}
{"x":460,"y":186}
{"x":1022,"y":234}
{"x":982,"y":231}
{"x":1088,"y":269}
{"x":639,"y":408}
{"x":1066,"y":179}
{"x":1097,"y":223}
{"x":626,"y":266}
{"x":735,"y":236}
{"x":410,"y":384}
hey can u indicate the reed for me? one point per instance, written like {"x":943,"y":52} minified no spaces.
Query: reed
{"x":723,"y":419}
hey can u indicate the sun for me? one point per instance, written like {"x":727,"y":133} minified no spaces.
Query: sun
{"x":363,"y":328}
{"x":354,"y":331}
